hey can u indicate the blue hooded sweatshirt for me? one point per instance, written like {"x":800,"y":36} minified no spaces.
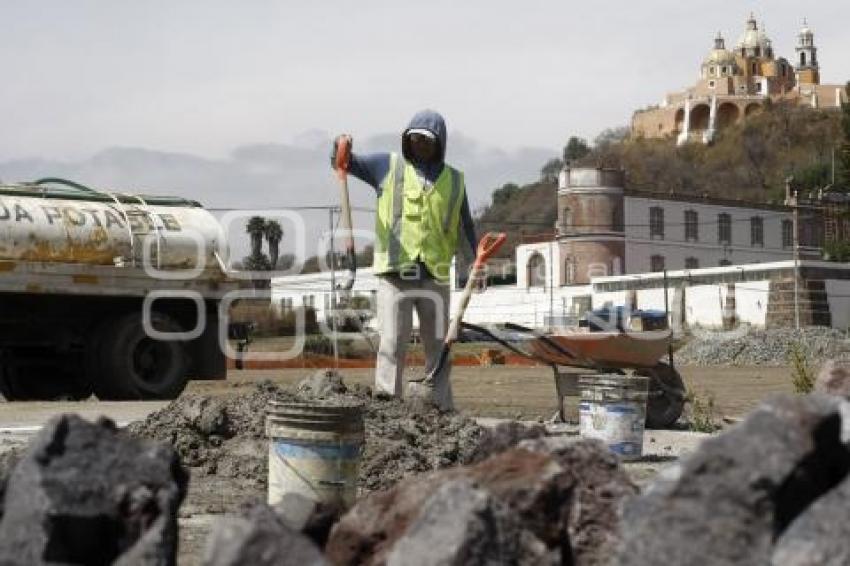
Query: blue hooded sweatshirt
{"x":373,"y":167}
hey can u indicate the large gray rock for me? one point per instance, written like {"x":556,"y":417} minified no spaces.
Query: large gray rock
{"x":728,"y":502}
{"x":8,"y":460}
{"x":460,"y":525}
{"x":565,"y":493}
{"x":834,"y":378}
{"x":307,"y":516}
{"x":820,"y":536}
{"x":87,"y":493}
{"x":259,"y":537}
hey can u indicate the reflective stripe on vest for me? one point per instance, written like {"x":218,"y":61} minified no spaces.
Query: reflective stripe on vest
{"x":413,"y":224}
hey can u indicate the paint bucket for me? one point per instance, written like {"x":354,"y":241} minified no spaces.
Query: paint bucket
{"x":613,"y":410}
{"x":314,"y":450}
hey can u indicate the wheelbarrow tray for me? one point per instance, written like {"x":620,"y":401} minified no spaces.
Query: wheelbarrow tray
{"x":614,"y":349}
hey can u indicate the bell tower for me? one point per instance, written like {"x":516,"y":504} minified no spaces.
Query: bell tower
{"x":807,"y":62}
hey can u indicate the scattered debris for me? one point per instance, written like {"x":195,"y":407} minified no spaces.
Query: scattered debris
{"x":563,"y":492}
{"x":748,"y":347}
{"x":87,"y":493}
{"x":503,"y":436}
{"x":739,"y":492}
{"x":461,"y":524}
{"x":258,"y":536}
{"x":834,"y":378}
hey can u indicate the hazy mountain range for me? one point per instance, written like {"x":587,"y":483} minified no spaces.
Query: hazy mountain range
{"x":273,"y":175}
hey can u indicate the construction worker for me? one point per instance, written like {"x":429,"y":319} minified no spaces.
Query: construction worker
{"x":422,"y":209}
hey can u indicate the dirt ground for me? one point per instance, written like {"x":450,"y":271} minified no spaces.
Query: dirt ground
{"x":526,"y":393}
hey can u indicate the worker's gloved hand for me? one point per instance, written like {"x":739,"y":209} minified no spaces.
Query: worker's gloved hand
{"x":334,"y":152}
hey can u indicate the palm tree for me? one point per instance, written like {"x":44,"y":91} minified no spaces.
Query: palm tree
{"x":273,"y":233}
{"x":256,"y":228}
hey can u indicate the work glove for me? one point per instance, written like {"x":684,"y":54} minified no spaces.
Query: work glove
{"x":335,"y":148}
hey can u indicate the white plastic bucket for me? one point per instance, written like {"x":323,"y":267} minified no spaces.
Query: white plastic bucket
{"x":314,"y":450}
{"x":613,"y":409}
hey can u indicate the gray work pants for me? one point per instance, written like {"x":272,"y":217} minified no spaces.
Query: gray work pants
{"x":397,"y":297}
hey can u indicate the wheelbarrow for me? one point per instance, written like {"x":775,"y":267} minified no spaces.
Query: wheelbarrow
{"x":608,"y":351}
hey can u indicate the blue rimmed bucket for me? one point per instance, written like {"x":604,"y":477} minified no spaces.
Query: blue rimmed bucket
{"x":314,"y":450}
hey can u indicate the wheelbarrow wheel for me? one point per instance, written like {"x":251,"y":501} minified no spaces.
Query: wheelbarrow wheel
{"x":666,"y":395}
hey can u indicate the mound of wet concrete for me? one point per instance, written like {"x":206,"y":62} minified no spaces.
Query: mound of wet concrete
{"x":225,"y":436}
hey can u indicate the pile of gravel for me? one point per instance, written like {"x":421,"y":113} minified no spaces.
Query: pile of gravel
{"x":225,"y":436}
{"x":763,"y":347}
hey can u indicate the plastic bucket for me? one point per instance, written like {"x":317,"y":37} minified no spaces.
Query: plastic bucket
{"x":613,"y":410}
{"x":314,"y":450}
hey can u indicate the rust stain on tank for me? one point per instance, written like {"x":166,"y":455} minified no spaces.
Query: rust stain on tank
{"x":91,"y":251}
{"x":8,"y":265}
{"x":85,"y":279}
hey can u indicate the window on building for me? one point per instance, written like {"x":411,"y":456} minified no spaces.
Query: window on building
{"x":656,"y":222}
{"x":787,"y":234}
{"x":617,"y":219}
{"x":724,"y":228}
{"x":710,"y":84}
{"x":758,"y":51}
{"x":656,"y":263}
{"x":570,"y":270}
{"x":758,"y":87}
{"x":757,"y":231}
{"x":755,"y":69}
{"x":725,"y":262}
{"x":803,"y":59}
{"x":536,"y":271}
{"x":691,"y":226}
{"x":691,"y":263}
{"x":567,"y":217}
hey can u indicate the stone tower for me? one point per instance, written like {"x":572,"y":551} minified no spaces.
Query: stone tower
{"x":590,"y":230}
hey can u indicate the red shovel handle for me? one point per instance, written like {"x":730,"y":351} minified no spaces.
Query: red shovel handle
{"x":489,"y":244}
{"x":343,"y":155}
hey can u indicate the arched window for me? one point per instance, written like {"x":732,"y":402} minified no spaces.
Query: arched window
{"x":803,"y":59}
{"x":536,"y":270}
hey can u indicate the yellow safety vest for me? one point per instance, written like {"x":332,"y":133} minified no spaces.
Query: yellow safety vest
{"x":414,"y":224}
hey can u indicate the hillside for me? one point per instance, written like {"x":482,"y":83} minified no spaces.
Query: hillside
{"x":749,"y":161}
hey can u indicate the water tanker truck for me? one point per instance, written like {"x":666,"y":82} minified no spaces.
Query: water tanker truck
{"x":86,"y":274}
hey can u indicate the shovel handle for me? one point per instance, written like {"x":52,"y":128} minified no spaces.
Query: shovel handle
{"x":343,"y":155}
{"x":489,"y":244}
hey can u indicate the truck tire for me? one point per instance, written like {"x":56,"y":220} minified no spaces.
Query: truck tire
{"x":666,"y":399}
{"x":129,"y":364}
{"x":47,"y":381}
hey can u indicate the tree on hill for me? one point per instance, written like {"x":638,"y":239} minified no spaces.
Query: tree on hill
{"x":550,"y":170}
{"x":505,"y":193}
{"x":844,"y":153}
{"x":575,"y":149}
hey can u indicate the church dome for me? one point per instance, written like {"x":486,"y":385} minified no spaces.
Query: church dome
{"x":719,"y":55}
{"x":752,"y":37}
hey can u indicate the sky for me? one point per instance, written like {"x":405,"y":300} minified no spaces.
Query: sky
{"x":205,"y":77}
{"x":235,"y":104}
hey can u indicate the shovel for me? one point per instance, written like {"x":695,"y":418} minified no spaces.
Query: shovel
{"x":343,"y":154}
{"x":423,"y":387}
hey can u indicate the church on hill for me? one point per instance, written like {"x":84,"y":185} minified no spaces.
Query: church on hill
{"x":737,"y":82}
